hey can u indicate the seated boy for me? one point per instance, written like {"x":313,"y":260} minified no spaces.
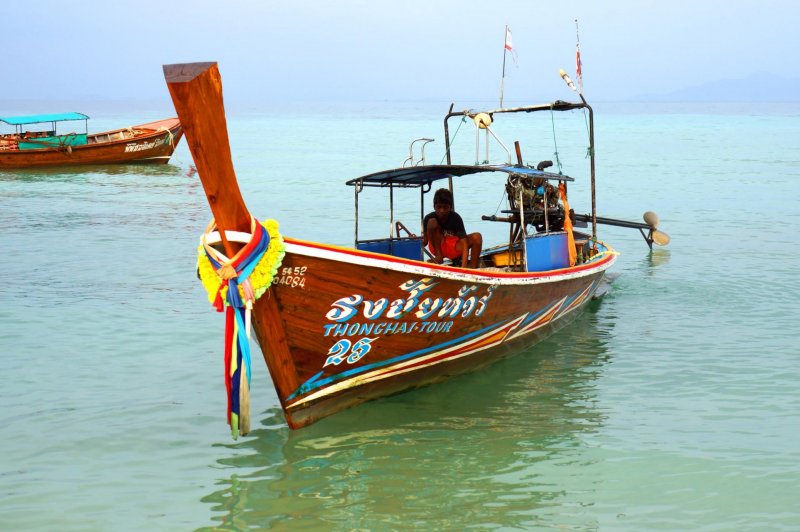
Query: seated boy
{"x":444,"y":234}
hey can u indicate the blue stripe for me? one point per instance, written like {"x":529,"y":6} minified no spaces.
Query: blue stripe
{"x":532,"y":317}
{"x":310,"y":385}
{"x":244,"y":344}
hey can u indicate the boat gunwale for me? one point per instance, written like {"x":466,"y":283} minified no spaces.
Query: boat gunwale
{"x":379,"y":260}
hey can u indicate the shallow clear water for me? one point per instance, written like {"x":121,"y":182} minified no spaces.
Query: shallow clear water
{"x":673,"y":403}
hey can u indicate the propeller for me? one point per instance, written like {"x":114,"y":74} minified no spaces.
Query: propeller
{"x":658,"y":237}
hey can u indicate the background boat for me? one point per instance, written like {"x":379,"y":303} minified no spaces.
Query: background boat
{"x":150,"y":143}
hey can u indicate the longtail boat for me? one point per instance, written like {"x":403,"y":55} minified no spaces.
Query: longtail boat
{"x":37,"y":142}
{"x":338,"y":326}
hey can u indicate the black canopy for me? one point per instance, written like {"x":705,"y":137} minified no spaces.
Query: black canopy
{"x":418,"y":176}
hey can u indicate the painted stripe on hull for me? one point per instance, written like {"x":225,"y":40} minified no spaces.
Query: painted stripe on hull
{"x":489,"y":339}
{"x":313,"y":383}
{"x":374,"y":260}
{"x":556,"y":311}
{"x":460,"y":347}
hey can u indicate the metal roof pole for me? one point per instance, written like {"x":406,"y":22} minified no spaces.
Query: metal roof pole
{"x":591,"y":163}
{"x":391,"y":214}
{"x":447,"y":134}
{"x":356,"y":227}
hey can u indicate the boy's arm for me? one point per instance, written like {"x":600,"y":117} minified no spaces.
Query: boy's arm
{"x":461,"y":231}
{"x":438,"y":257}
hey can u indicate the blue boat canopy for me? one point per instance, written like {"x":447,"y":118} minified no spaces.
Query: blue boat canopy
{"x":417,"y":176}
{"x":36,"y":119}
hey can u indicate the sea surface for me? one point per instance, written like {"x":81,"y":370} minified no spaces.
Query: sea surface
{"x":672,"y":403}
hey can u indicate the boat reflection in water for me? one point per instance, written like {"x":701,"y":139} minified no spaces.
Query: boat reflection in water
{"x":72,"y":173}
{"x":479,"y":449}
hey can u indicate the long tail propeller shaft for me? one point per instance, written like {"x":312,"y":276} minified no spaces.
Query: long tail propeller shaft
{"x":653,"y":235}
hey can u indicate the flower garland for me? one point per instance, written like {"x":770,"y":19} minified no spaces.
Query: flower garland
{"x":260,"y":277}
{"x":233,"y":285}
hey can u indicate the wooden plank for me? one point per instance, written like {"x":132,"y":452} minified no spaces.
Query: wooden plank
{"x":196,"y":90}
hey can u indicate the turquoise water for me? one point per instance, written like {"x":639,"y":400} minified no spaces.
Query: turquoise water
{"x":673,"y":403}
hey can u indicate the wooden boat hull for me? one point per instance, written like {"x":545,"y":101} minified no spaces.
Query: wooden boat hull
{"x":151,"y":143}
{"x":340,"y":327}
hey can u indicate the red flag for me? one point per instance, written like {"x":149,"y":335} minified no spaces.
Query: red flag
{"x":509,"y":46}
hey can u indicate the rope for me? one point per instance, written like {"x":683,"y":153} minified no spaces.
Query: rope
{"x":555,"y":144}
{"x":171,"y":136}
{"x":233,"y":285}
{"x":603,"y":253}
{"x":463,"y":120}
{"x":64,"y":141}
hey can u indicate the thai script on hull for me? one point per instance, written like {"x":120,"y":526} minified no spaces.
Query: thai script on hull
{"x":381,"y":317}
{"x":141,"y":146}
{"x":465,"y":304}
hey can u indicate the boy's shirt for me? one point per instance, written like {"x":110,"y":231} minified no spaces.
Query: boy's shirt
{"x":453,"y":226}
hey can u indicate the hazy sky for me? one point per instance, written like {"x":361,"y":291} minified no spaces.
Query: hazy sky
{"x":399,"y":50}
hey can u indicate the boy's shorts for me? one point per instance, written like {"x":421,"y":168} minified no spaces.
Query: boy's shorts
{"x":448,"y":247}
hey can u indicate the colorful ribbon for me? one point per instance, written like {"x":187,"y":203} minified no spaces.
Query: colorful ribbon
{"x":236,"y":296}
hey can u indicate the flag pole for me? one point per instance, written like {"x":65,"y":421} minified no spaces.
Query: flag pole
{"x":503,"y":78}
{"x":578,"y":73}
